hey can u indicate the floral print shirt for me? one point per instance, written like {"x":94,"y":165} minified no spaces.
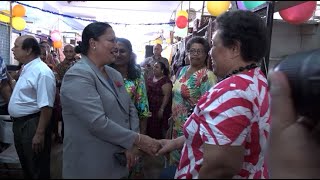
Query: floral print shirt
{"x":186,"y":93}
{"x":138,"y":94}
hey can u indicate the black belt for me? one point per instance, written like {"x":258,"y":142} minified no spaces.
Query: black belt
{"x":27,"y":117}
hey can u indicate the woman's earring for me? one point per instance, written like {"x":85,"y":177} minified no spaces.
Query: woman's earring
{"x":94,"y":48}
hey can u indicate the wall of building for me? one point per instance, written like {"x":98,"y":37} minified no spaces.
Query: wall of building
{"x":289,"y":39}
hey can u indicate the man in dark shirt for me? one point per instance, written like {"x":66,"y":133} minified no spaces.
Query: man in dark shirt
{"x":148,"y":63}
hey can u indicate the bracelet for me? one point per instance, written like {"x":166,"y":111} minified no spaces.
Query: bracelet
{"x":139,"y":138}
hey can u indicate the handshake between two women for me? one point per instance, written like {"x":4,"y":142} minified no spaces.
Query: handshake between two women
{"x":153,"y":147}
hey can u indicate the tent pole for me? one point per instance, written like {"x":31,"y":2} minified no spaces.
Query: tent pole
{"x":188,"y":18}
{"x":269,"y":23}
{"x":10,"y":32}
{"x":202,"y":8}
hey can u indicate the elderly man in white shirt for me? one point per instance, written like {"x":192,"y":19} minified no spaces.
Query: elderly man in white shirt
{"x":30,"y":107}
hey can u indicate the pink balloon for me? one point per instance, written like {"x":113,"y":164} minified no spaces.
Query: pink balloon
{"x":55,"y":35}
{"x":300,"y":13}
{"x":55,"y":31}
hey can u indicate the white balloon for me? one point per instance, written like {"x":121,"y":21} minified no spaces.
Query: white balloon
{"x":181,"y":32}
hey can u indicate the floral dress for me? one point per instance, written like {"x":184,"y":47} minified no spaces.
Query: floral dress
{"x":186,"y":93}
{"x":138,"y":94}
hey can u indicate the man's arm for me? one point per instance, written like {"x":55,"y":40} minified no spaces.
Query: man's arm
{"x":5,"y":82}
{"x":46,"y":89}
{"x":166,"y":90}
{"x":144,"y":63}
{"x":38,"y":138}
{"x":221,"y":161}
{"x":6,"y":89}
{"x":45,"y":116}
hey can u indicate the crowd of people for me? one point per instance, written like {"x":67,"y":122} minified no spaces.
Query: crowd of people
{"x":117,"y":115}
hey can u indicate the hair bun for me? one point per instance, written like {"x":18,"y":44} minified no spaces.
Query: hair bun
{"x":77,"y":49}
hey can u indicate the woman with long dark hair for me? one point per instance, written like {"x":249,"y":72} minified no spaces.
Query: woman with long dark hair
{"x":134,"y":82}
{"x":133,"y":79}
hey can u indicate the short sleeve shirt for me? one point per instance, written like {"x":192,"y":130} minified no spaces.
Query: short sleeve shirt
{"x":235,"y":112}
{"x":35,"y":88}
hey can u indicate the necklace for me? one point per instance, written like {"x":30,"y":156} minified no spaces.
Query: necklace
{"x":248,"y":67}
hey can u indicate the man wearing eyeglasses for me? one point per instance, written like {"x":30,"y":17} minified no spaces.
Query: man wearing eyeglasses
{"x":148,"y":63}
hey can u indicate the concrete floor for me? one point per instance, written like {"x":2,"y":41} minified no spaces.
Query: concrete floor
{"x":14,"y":171}
{"x":152,"y":165}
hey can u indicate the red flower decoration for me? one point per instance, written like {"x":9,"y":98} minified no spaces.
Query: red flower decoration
{"x":185,"y":93}
{"x":118,"y":84}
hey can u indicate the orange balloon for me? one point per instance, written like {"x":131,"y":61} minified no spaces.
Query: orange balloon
{"x":18,"y":11}
{"x":57,"y":44}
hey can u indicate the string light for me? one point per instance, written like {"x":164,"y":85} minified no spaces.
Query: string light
{"x":90,"y":20}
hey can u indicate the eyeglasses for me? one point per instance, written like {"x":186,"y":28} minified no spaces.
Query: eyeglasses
{"x":196,"y":51}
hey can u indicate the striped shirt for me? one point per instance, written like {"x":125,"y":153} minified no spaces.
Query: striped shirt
{"x":235,"y":112}
{"x":3,"y":70}
{"x":3,"y":76}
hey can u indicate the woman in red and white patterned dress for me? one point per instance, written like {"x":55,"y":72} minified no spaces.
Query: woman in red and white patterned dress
{"x":226,"y":135}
